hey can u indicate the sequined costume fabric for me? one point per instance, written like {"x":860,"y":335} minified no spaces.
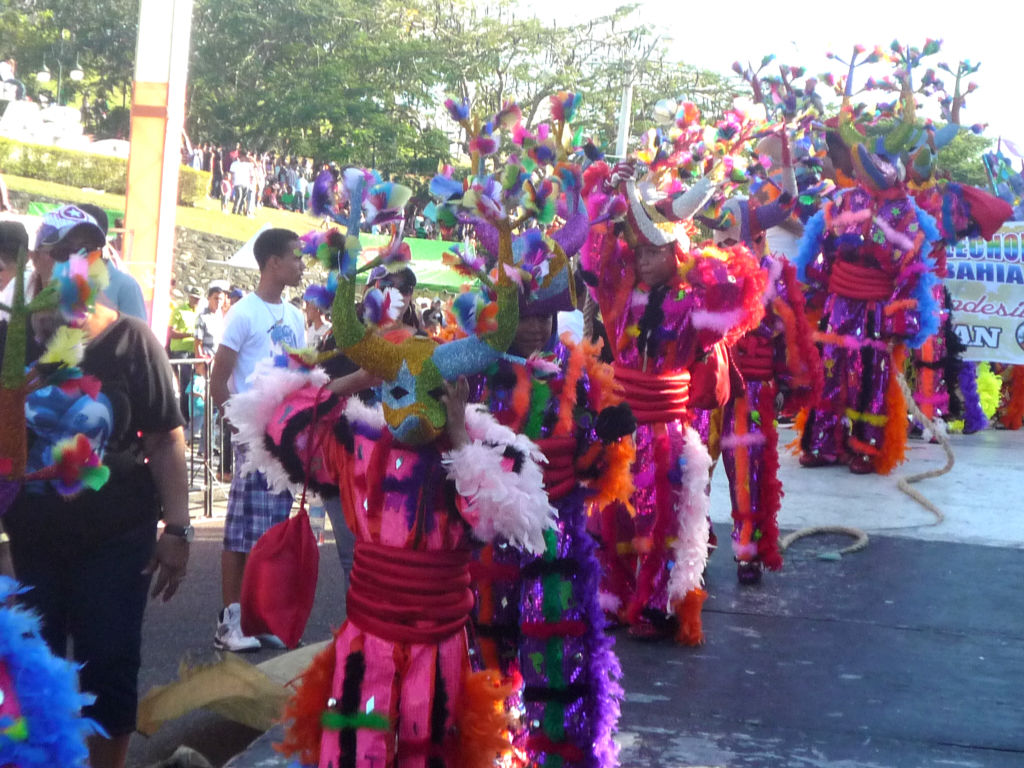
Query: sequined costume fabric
{"x":776,"y":357}
{"x":390,"y":692}
{"x":655,"y":335}
{"x":540,"y":616}
{"x":867,"y":262}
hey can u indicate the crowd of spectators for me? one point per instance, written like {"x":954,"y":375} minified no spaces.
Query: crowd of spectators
{"x":244,"y":181}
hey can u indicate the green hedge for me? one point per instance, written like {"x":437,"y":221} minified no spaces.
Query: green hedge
{"x":84,"y":169}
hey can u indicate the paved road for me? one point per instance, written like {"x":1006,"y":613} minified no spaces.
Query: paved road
{"x":910,"y":653}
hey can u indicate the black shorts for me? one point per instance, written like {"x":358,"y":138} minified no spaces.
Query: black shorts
{"x":96,"y":598}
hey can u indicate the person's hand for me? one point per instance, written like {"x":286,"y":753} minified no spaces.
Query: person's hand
{"x":169,"y":563}
{"x":455,"y":398}
{"x":623,"y":171}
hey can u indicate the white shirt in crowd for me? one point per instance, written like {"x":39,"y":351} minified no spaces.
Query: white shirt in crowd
{"x":241,"y":173}
{"x":256,"y":330}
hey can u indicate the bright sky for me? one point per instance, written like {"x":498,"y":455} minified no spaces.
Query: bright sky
{"x":712,"y":35}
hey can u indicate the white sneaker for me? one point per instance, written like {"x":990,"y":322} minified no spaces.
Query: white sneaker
{"x":228,"y":636}
{"x":271,"y":641}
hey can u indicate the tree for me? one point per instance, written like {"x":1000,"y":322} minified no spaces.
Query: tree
{"x":961,"y":159}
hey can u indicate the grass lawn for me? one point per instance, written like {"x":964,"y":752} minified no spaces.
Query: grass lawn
{"x":206,"y":217}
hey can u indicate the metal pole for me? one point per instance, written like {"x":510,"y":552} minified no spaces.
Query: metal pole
{"x":208,"y":445}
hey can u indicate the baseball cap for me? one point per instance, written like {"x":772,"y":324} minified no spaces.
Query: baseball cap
{"x":13,"y":238}
{"x":61,"y":222}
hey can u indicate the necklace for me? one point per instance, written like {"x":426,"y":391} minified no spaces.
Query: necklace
{"x":277,"y":320}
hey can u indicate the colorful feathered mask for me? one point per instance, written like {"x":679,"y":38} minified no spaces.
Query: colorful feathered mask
{"x":414,"y":368}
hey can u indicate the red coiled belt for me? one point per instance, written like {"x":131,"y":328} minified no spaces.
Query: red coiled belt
{"x":559,"y":472}
{"x":857,"y":282}
{"x":409,"y":596}
{"x":655,"y":397}
{"x":754,"y":359}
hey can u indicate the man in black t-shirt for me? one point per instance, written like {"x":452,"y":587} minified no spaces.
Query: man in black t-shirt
{"x":89,"y":559}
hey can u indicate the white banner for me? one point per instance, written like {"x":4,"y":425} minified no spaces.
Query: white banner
{"x":986,"y":281}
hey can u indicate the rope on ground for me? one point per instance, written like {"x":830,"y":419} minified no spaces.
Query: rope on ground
{"x":861,"y":539}
{"x":938,"y":431}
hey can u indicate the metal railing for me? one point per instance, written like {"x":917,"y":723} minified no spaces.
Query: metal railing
{"x":206,"y":457}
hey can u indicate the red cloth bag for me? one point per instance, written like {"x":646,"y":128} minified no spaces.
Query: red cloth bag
{"x":279,"y":583}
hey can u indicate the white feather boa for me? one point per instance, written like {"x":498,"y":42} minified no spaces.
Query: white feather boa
{"x":513,"y":505}
{"x":692,"y":505}
{"x":250,"y":412}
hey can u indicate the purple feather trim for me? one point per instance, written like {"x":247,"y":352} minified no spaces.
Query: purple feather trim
{"x":974,"y":416}
{"x":603,"y":702}
{"x":487,"y":234}
{"x":573,"y":233}
{"x":321,"y":199}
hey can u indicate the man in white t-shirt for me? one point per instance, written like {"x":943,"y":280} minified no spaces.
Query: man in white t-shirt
{"x":257,"y":327}
{"x":241,"y":183}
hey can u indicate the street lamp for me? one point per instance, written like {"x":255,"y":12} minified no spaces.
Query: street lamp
{"x":76,"y":74}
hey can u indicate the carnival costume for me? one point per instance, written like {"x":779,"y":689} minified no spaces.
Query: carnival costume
{"x":865,"y":259}
{"x":777,"y":356}
{"x":395,"y":687}
{"x":541,"y":617}
{"x":959,"y":211}
{"x":654,"y":559}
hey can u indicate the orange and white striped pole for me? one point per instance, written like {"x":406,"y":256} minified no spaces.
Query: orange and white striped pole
{"x":157,"y":118}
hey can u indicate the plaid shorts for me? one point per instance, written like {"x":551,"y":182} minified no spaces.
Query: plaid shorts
{"x":252,"y":508}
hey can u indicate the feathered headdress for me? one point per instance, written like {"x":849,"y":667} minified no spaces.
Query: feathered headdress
{"x":414,"y":368}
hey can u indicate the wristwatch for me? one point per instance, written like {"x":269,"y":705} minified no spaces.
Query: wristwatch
{"x":186,"y":532}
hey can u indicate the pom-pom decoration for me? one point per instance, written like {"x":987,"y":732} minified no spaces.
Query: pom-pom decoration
{"x":457,"y":110}
{"x":382,"y":307}
{"x":65,"y":348}
{"x":79,"y":281}
{"x":564,"y":105}
{"x":76,"y":467}
{"x":386,"y":203}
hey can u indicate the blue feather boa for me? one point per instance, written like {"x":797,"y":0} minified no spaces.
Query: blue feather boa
{"x":924,"y":292}
{"x":47,"y":691}
{"x":810,"y":245}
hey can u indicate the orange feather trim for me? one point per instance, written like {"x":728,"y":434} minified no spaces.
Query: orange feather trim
{"x":484,"y":722}
{"x":521,"y":395}
{"x":615,"y":481}
{"x":799,"y":425}
{"x":802,"y":356}
{"x":893,"y":451}
{"x":859,"y":446}
{"x":741,"y":456}
{"x":567,"y":400}
{"x":900,"y":306}
{"x":605,"y":391}
{"x":690,"y":630}
{"x":1013,"y":415}
{"x":304,"y":709}
{"x":588,"y":461}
